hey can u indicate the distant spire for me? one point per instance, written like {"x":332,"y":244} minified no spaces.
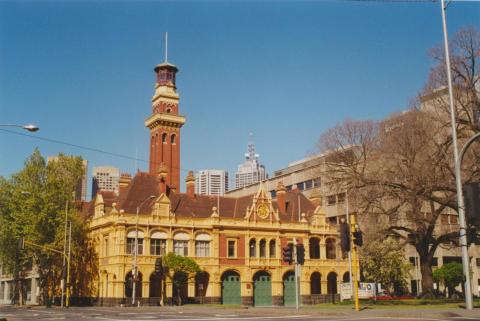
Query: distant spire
{"x":250,"y":155}
{"x":166,"y":46}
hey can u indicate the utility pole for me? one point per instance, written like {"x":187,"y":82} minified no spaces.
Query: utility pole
{"x":458,"y":179}
{"x":355,"y":265}
{"x":349,"y":252}
{"x":67,"y":301}
{"x":294,"y":254}
{"x":62,"y":281}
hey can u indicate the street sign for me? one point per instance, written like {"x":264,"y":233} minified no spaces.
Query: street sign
{"x":365,"y":291}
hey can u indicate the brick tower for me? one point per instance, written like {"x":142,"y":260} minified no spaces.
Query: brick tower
{"x":164,"y":124}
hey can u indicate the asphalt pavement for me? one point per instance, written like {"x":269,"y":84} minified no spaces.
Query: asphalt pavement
{"x":215,"y":313}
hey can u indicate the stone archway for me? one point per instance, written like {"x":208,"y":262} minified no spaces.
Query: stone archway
{"x":201,"y":286}
{"x":289,"y":288}
{"x":129,"y":285}
{"x":262,"y":289}
{"x":231,"y":288}
{"x":155,"y":287}
{"x":332,"y":283}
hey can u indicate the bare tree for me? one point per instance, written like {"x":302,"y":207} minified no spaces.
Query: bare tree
{"x":399,"y":172}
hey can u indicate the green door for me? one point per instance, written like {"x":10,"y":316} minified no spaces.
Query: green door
{"x":262,"y":292}
{"x":289,"y":289}
{"x":231,"y":289}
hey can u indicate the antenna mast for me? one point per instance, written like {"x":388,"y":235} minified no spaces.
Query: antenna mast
{"x":166,"y":46}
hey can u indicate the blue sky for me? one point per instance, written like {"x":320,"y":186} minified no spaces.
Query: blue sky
{"x":283,"y":70}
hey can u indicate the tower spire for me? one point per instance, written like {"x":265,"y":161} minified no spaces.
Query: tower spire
{"x":166,"y":46}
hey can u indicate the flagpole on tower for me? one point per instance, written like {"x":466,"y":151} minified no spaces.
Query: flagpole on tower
{"x":166,"y":46}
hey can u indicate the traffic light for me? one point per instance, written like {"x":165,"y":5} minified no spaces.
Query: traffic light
{"x":287,"y":252}
{"x":472,"y":203}
{"x":300,"y":254}
{"x":358,"y":238}
{"x":158,"y":266}
{"x":345,"y":237}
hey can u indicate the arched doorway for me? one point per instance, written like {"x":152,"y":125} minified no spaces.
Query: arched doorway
{"x":332,"y":283}
{"x":180,"y":288}
{"x":231,"y":293}
{"x":129,"y":285}
{"x":289,"y":288}
{"x":155,"y":286}
{"x":346,"y":277}
{"x":316,"y":283}
{"x":201,"y":285}
{"x":262,"y":289}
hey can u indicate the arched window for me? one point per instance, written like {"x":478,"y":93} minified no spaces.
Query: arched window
{"x":331,"y":249}
{"x":314,"y":245}
{"x":158,"y":243}
{"x":316,"y":283}
{"x":164,"y":138}
{"x":272,"y":248}
{"x":253,"y":247}
{"x":263,"y":248}
{"x":131,"y":242}
{"x":168,"y":110}
{"x":202,"y":244}
{"x":180,"y":243}
{"x":172,"y":139}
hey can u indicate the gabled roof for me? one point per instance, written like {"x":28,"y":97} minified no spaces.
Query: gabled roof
{"x":144,"y":185}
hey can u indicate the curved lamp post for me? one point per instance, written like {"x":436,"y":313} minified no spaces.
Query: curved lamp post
{"x":29,"y":127}
{"x":135,"y":267}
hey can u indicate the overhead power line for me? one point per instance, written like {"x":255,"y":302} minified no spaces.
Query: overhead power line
{"x":96,"y":150}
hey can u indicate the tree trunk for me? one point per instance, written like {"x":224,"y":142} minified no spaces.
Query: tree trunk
{"x":427,"y":277}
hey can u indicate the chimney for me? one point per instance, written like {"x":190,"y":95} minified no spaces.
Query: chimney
{"x":281,"y":195}
{"x":125,"y":179}
{"x":190,"y":182}
{"x":162,"y":179}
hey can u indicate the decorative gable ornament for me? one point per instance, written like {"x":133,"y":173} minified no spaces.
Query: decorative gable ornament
{"x":162,"y":206}
{"x":318,"y":217}
{"x":99,"y":206}
{"x":261,"y":208}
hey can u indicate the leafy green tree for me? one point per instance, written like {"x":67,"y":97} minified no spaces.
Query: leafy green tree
{"x":180,"y":270}
{"x":34,"y":204}
{"x":384,"y":262}
{"x":450,"y":275}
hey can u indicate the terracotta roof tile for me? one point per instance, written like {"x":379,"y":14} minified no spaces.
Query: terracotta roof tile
{"x":144,"y":185}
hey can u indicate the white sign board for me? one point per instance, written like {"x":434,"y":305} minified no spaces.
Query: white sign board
{"x":365,"y":291}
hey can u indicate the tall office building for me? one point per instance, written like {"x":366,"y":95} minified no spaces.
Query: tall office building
{"x":211,"y":182}
{"x":81,"y":187}
{"x":251,"y":171}
{"x":105,"y":178}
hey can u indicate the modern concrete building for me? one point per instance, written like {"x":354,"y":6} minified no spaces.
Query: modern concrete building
{"x":251,"y":171}
{"x":211,"y":182}
{"x":105,"y":178}
{"x":7,"y":287}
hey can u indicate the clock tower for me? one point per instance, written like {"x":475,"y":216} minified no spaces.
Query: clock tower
{"x":165,"y":123}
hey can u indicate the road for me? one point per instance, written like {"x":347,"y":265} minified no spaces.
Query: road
{"x":221,"y":314}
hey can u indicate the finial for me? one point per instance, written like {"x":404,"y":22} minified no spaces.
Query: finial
{"x":166,"y":46}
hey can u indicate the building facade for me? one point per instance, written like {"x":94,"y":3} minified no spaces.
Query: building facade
{"x":237,"y":241}
{"x":105,"y":178}
{"x":251,"y":171}
{"x":211,"y":182}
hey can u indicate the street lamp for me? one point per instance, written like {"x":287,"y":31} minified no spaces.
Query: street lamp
{"x":458,"y":177}
{"x":29,"y":127}
{"x":135,"y":266}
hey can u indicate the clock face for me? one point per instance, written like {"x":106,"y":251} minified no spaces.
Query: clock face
{"x":262,"y":211}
